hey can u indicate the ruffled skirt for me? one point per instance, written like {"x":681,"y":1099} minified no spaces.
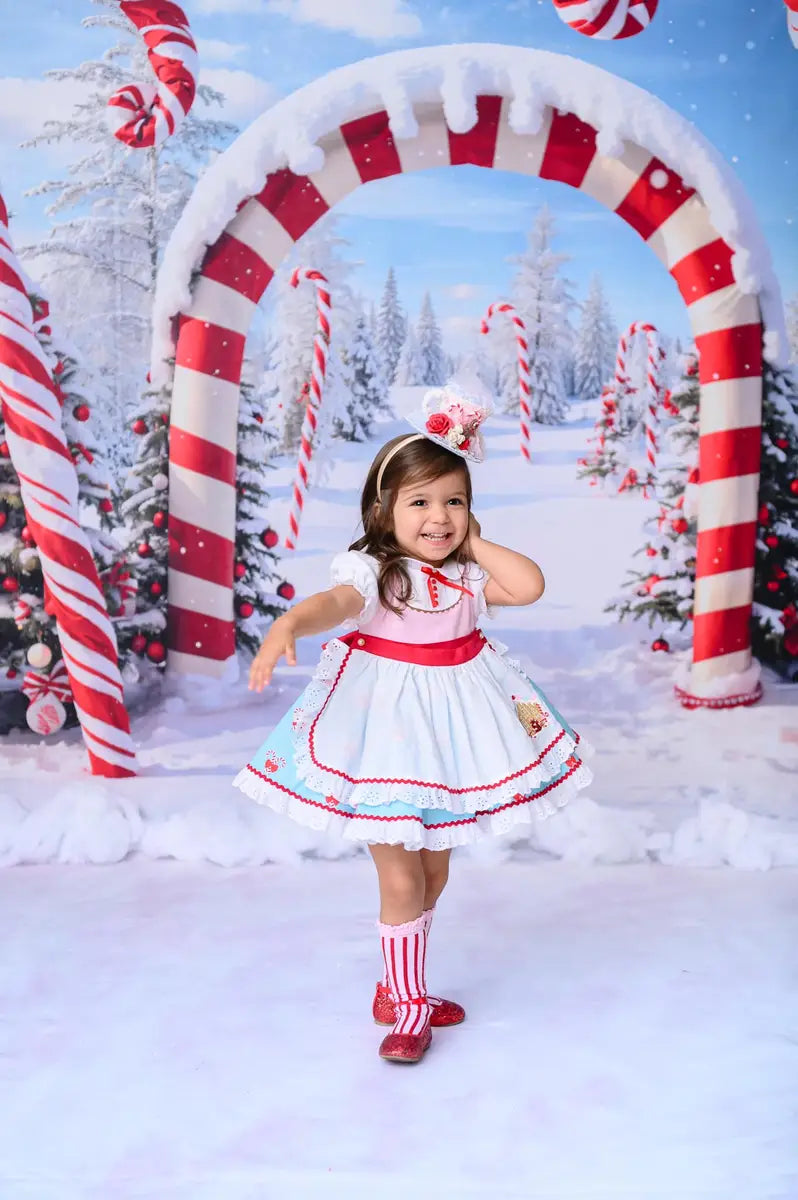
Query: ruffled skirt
{"x":435,"y":752}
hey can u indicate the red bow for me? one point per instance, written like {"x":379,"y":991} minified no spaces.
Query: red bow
{"x":55,"y":684}
{"x":434,"y":577}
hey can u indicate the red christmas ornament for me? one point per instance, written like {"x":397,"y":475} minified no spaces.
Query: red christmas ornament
{"x":680,"y":525}
{"x":772,"y":585}
{"x":144,"y":549}
{"x":156,"y":652}
{"x":240,"y":570}
{"x":763,"y":516}
{"x":139,"y":426}
{"x":269,"y":537}
{"x":660,"y":644}
{"x":26,"y":535}
{"x":651,"y":581}
{"x":11,"y":673}
{"x":165,"y":418}
{"x":286,"y":591}
{"x":651,"y":552}
{"x":772,"y":541}
{"x":10,"y":584}
{"x":783,"y":443}
{"x":794,"y":486}
{"x":791,"y":642}
{"x":4,"y":450}
{"x":156,"y":588}
{"x":159,"y":519}
{"x":81,"y":412}
{"x":692,"y":369}
{"x":245,"y":609}
{"x":258,"y":418}
{"x":779,"y":572}
{"x":106,"y":505}
{"x":3,"y":519}
{"x":137,"y":643}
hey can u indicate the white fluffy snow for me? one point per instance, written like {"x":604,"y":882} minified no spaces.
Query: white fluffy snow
{"x":177,"y":1031}
{"x":287,"y":135}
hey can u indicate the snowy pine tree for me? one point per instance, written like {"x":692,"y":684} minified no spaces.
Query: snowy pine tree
{"x":775,"y":625}
{"x":543,"y":301}
{"x":257,"y":582}
{"x":792,"y":328}
{"x":410,"y":367}
{"x":430,"y":346}
{"x":391,"y":329}
{"x":100,"y":261}
{"x":596,"y":339}
{"x":368,"y":394}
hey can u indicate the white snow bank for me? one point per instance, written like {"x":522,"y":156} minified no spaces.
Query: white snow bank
{"x":287,"y":135}
{"x":97,"y":822}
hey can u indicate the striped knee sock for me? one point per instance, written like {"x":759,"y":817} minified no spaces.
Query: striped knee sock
{"x":404,"y":950}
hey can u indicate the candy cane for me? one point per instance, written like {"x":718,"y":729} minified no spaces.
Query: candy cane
{"x":792,"y":21}
{"x":49,"y":487}
{"x":321,"y":344}
{"x":606,"y":19}
{"x":143,"y":114}
{"x":621,"y":383}
{"x":524,"y":389}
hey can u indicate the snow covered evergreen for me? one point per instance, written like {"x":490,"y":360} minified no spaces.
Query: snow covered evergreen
{"x":792,"y":328}
{"x":595,"y":342}
{"x":113,"y":212}
{"x":543,"y":299}
{"x":410,"y":367}
{"x":368,"y":396}
{"x":430,"y":346}
{"x":391,"y":329}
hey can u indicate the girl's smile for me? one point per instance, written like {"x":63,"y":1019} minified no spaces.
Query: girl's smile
{"x":430,"y":520}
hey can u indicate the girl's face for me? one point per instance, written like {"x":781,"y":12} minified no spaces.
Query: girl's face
{"x":430,"y":520}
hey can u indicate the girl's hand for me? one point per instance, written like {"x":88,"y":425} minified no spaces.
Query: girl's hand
{"x":474,"y":527}
{"x":278,"y":643}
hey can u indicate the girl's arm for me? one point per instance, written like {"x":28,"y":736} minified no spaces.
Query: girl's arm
{"x":514,"y":578}
{"x":319,"y":612}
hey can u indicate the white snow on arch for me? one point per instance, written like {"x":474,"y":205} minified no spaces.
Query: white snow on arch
{"x":287,"y":135}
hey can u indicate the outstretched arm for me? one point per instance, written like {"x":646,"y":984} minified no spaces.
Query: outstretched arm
{"x":319,"y":612}
{"x":514,"y":578}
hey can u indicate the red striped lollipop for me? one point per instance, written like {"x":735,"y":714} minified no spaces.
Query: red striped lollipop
{"x":606,"y":19}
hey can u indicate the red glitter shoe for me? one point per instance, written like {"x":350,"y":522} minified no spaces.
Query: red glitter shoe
{"x":406,"y":1047}
{"x":444,"y":1012}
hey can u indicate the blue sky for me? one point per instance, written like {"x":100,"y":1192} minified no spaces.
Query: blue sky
{"x":726,"y":65}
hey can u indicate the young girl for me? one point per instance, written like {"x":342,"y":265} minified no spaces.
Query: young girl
{"x":416,"y":734}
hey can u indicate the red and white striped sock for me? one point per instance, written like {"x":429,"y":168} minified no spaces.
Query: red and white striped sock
{"x":427,"y":915}
{"x":404,"y":949}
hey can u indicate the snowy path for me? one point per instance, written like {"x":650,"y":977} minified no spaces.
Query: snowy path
{"x":179,"y":1032}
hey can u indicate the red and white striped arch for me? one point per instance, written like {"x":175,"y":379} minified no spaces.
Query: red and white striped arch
{"x":644,"y":191}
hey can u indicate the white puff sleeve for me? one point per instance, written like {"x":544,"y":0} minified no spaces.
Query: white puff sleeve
{"x":475,"y":579}
{"x":361,"y":572}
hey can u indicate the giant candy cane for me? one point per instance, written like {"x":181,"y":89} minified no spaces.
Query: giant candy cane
{"x":143,"y":115}
{"x":607,"y":19}
{"x":321,"y":343}
{"x":524,"y":390}
{"x":49,"y":487}
{"x":792,"y":21}
{"x":653,"y":361}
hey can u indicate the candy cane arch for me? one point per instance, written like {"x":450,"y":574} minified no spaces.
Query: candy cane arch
{"x":321,"y":343}
{"x":398,"y":114}
{"x":143,"y":115}
{"x":49,"y":487}
{"x":606,"y":19}
{"x":522,"y":346}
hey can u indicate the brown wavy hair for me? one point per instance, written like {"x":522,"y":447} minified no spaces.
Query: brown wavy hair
{"x":418,"y":462}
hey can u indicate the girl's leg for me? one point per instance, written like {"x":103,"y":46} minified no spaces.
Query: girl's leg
{"x":402,"y":883}
{"x":435,"y":865}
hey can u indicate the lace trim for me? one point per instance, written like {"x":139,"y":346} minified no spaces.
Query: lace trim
{"x":409,"y":831}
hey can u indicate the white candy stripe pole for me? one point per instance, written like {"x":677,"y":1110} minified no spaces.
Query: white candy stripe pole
{"x":143,"y":115}
{"x":652,"y":380}
{"x":49,"y":488}
{"x":321,"y":344}
{"x":524,"y":389}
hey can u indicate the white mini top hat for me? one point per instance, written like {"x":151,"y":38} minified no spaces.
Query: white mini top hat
{"x":452,"y":416}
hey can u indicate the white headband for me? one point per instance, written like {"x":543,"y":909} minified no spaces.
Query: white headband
{"x":413,"y":437}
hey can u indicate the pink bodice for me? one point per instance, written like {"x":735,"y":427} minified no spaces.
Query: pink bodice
{"x":419,"y":627}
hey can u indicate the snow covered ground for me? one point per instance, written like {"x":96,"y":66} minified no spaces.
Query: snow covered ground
{"x":177,"y":1031}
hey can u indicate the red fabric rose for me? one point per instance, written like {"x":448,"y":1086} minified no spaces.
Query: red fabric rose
{"x":438,"y":424}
